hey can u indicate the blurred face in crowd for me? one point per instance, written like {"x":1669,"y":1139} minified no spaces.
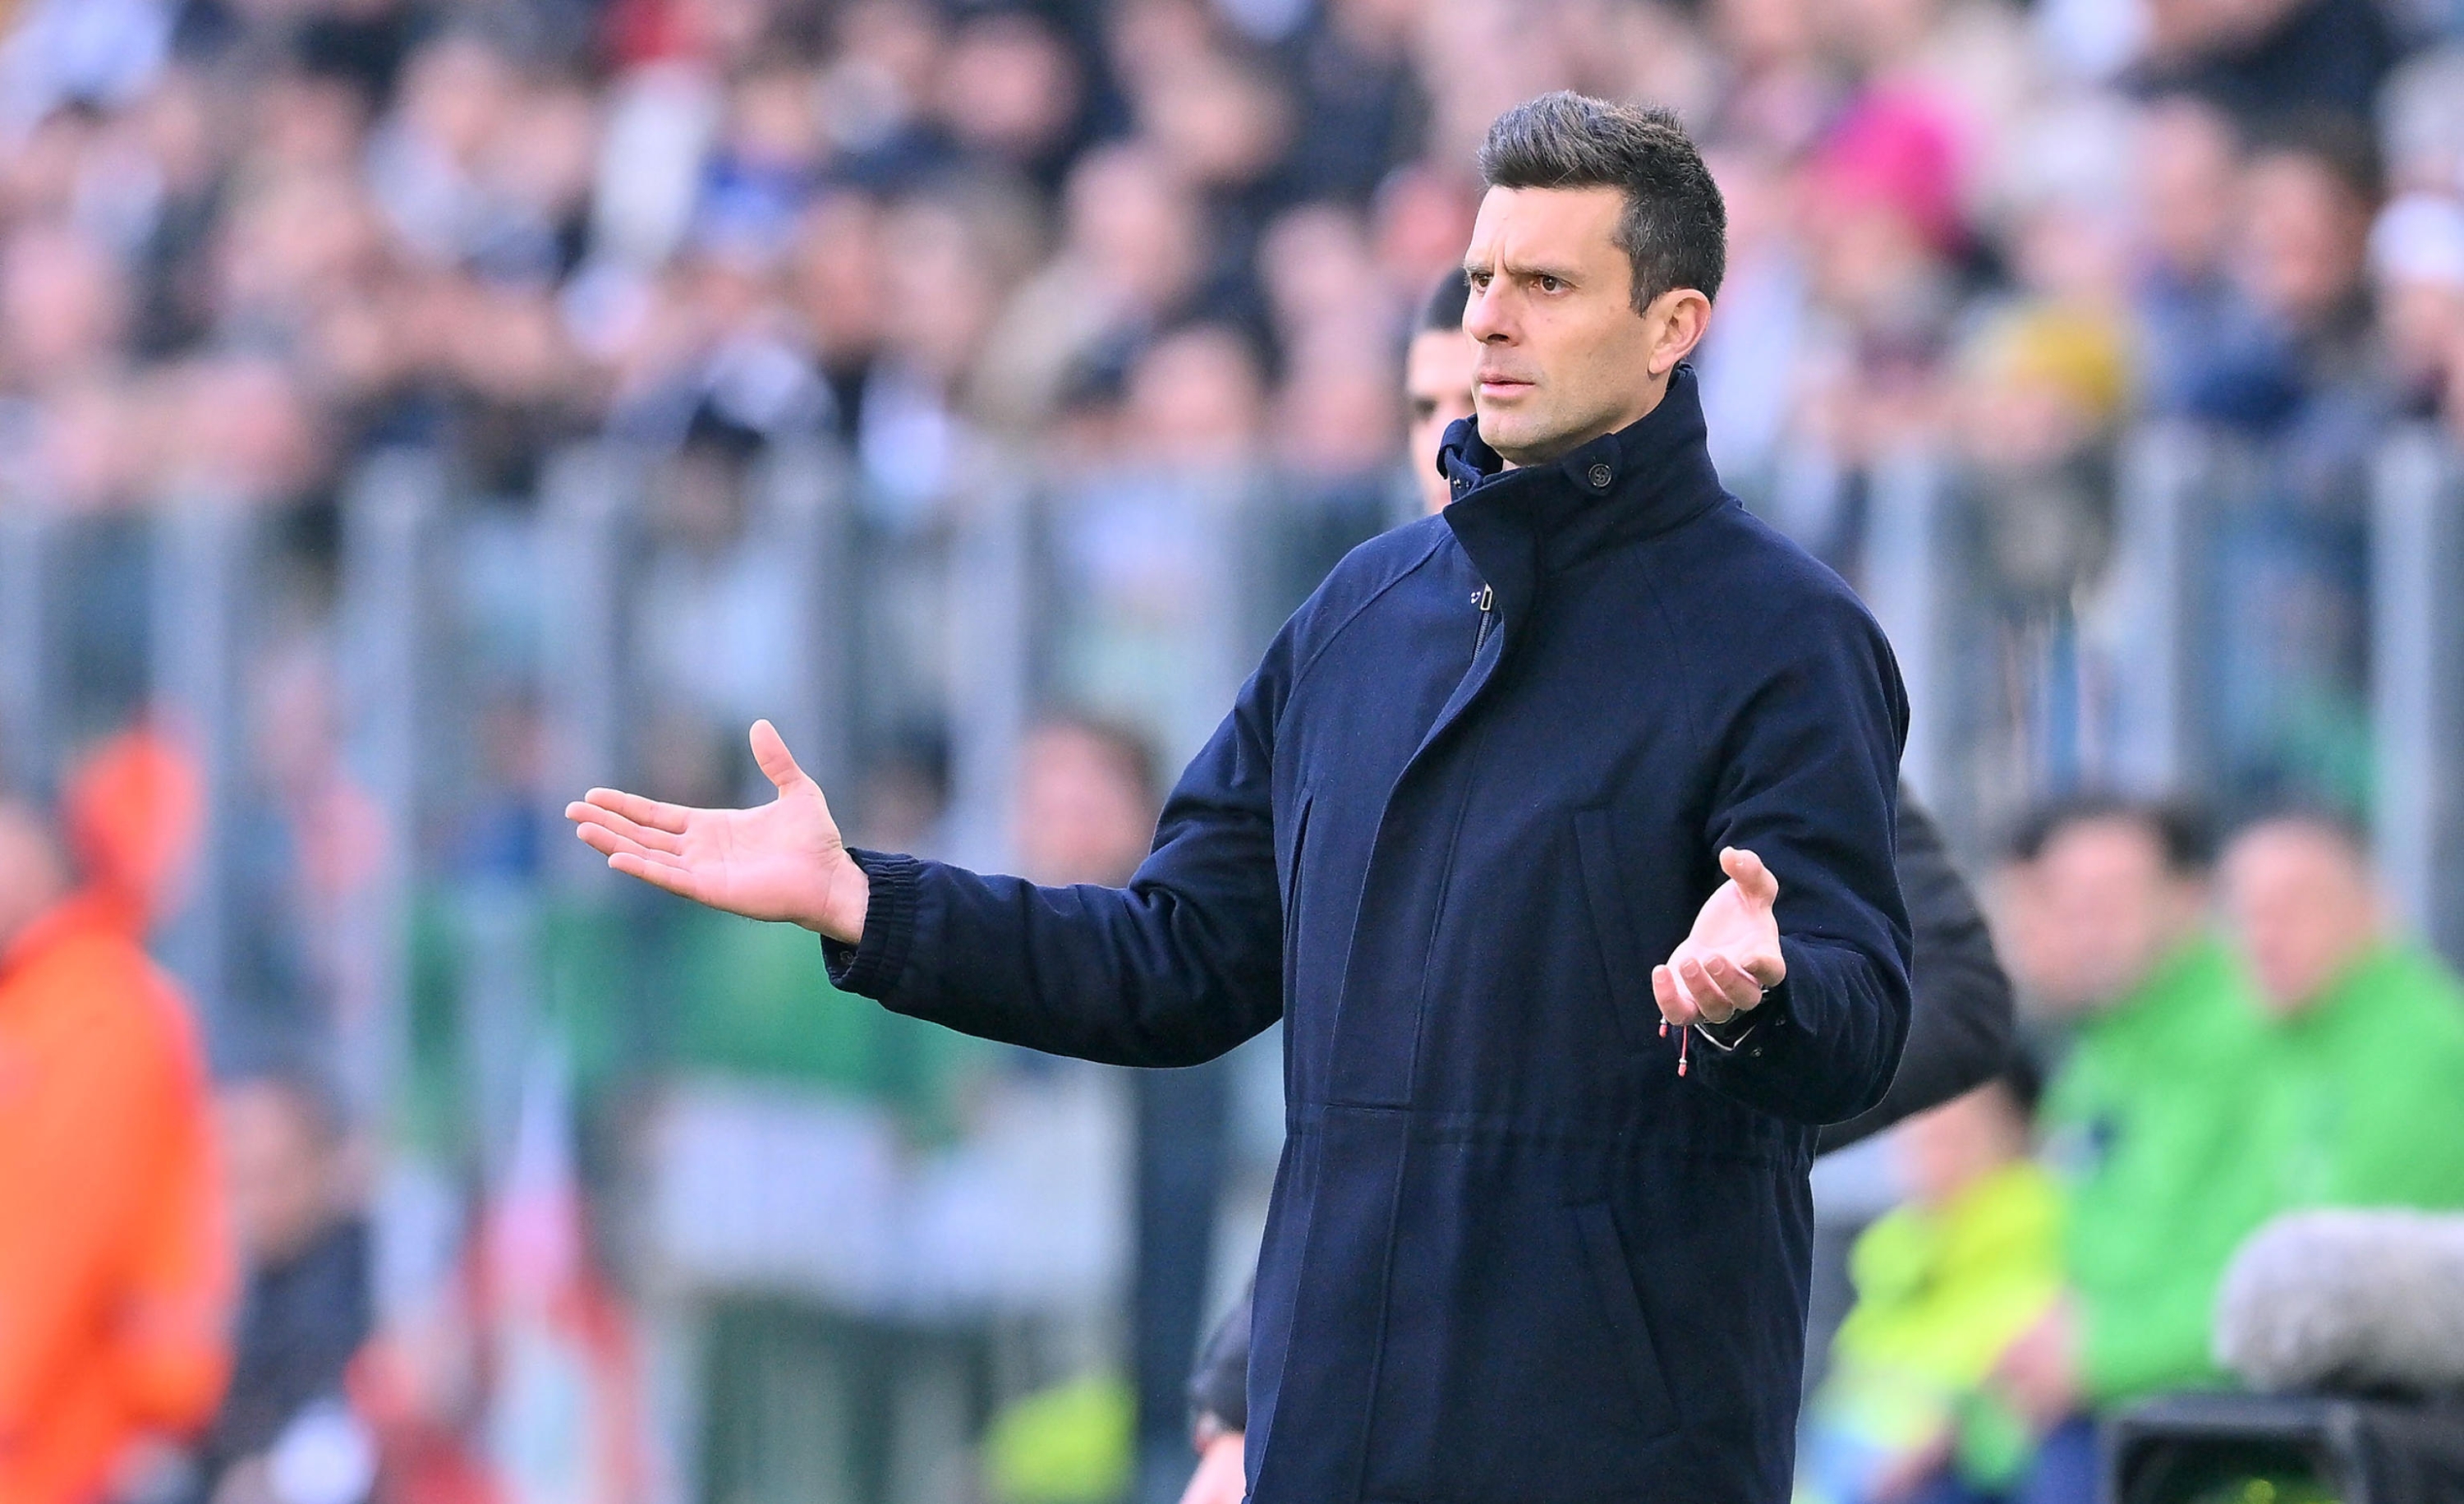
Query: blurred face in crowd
{"x":2109,"y":910}
{"x":32,"y":879}
{"x":1196,"y":398}
{"x":1947,"y":1150}
{"x":2188,"y":166}
{"x":2306,"y":233}
{"x":1437,"y":373}
{"x":1083,"y":816}
{"x":281,"y":1162}
{"x":1564,"y":357}
{"x":2302,"y":903}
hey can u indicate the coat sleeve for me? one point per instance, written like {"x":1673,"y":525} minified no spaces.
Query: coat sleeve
{"x":1960,"y":1026}
{"x":1807,"y":779}
{"x":1174,"y":970}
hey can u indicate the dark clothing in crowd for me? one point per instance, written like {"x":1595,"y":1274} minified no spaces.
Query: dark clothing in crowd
{"x":1479,"y":785}
{"x":1960,"y":1029}
{"x":2324,"y":58}
{"x":1960,"y":1032}
{"x":299,"y":1325}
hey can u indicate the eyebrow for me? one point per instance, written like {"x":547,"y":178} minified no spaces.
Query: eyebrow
{"x":1472,"y":267}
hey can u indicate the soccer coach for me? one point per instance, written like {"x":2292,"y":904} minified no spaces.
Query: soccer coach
{"x":1542,"y":1223}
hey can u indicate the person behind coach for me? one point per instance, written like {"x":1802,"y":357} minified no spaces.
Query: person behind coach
{"x":1541,"y":1227}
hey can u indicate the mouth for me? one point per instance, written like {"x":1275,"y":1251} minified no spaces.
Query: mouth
{"x":1498,"y":384}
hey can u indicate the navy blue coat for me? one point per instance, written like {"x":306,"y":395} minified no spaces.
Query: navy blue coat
{"x":1476,"y":789}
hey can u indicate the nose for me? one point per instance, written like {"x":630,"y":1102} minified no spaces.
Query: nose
{"x":1485,"y":315}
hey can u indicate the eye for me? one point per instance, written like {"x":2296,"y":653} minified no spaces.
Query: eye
{"x":1550,"y":284}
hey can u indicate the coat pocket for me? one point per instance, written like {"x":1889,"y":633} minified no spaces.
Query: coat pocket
{"x":1614,"y":1281}
{"x":1629,"y":976}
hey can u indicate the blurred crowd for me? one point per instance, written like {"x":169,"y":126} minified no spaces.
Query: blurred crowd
{"x":2215,"y":1039}
{"x":247,"y":239}
{"x":1159,"y":260}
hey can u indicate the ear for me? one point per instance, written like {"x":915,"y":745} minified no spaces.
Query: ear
{"x":1677,"y":319}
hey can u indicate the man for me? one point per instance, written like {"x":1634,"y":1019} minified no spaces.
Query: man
{"x":1439,"y":365}
{"x":308,"y":1306}
{"x":1958,"y":1030}
{"x":1558,"y":830}
{"x":113,"y":1282}
{"x":2364,"y":1033}
{"x":1087,"y":798}
{"x":2146,"y":1121}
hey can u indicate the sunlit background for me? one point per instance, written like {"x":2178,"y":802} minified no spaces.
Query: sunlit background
{"x":414,"y":412}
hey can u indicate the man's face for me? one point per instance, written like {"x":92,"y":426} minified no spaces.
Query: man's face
{"x":1564,"y":357}
{"x":2111,"y":911}
{"x":1437,"y":388}
{"x":1081,"y":815}
{"x":2302,"y":907}
{"x":1944,"y":1151}
{"x":280,"y":1174}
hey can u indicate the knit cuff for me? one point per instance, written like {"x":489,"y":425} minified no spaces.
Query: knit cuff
{"x":872,"y":966}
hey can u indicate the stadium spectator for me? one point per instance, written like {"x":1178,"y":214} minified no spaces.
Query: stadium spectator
{"x":306,"y":1307}
{"x":2365,"y":1031}
{"x":1087,"y":797}
{"x":1945,"y":1284}
{"x":114,"y":1280}
{"x":2146,"y":1119}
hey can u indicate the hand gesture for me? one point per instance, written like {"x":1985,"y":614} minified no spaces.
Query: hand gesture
{"x":784,"y":860}
{"x":1732,"y":957}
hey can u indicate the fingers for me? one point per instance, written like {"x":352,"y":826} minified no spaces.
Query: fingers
{"x":1675,"y":1006}
{"x":670,"y":818}
{"x":1704,"y":990}
{"x":777,"y":764}
{"x":586,"y":814}
{"x":1734,"y":985}
{"x":677,"y":880}
{"x":659,"y":868}
{"x":608,"y":842}
{"x":1754,"y":881}
{"x":1719,"y":987}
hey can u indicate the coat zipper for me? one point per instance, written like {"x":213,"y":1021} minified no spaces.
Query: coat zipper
{"x":1487,"y":601}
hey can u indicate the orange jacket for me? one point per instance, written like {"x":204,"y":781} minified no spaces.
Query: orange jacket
{"x":115,"y":1275}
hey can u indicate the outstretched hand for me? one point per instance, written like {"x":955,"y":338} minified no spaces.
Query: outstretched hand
{"x":1732,"y":957}
{"x":784,"y":860}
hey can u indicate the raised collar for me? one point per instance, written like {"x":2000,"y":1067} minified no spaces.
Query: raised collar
{"x":1647,"y":478}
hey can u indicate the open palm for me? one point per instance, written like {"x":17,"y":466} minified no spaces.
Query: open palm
{"x":1733,"y":955}
{"x":784,"y":860}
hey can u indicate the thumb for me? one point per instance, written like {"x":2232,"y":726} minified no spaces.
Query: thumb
{"x":1754,"y":881}
{"x":777,"y":764}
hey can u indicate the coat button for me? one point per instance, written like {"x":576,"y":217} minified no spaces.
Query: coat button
{"x":1600,"y":477}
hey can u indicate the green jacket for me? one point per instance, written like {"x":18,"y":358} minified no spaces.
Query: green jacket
{"x":2366,"y":1100}
{"x":2150,"y":1122}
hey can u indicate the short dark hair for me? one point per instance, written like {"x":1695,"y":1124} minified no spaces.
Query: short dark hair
{"x":1675,"y":228}
{"x":1444,"y":312}
{"x":2184,"y":834}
